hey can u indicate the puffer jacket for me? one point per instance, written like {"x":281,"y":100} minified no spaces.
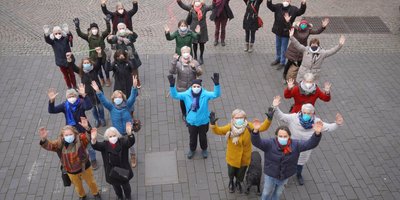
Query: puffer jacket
{"x":185,"y":73}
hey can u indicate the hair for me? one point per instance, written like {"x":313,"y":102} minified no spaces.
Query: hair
{"x":284,"y":128}
{"x":201,"y":1}
{"x":314,"y":41}
{"x":182,"y":22}
{"x":71,"y":91}
{"x":68,"y":127}
{"x":238,"y":111}
{"x":81,"y":65}
{"x":120,"y":52}
{"x":185,"y":49}
{"x":119,"y":4}
{"x":118,"y":92}
{"x":111,"y":130}
{"x":309,"y":77}
{"x":307,"y":106}
{"x":57,"y":29}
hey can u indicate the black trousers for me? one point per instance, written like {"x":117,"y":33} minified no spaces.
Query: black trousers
{"x":201,"y":132}
{"x":118,"y":190}
{"x":250,"y":36}
{"x":183,"y":108}
{"x":237,"y":172}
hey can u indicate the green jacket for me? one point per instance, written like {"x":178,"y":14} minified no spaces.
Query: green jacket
{"x":186,"y":40}
{"x":95,"y":41}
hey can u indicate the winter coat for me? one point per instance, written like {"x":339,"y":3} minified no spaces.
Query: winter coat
{"x":201,"y":116}
{"x":301,"y":98}
{"x":182,"y":41}
{"x":84,"y":105}
{"x":129,"y":48}
{"x":119,"y":116}
{"x":117,"y":18}
{"x":195,"y":21}
{"x":299,"y":133}
{"x":60,"y":47}
{"x":250,"y":20}
{"x":281,"y":27}
{"x":95,"y":41}
{"x":185,"y":73}
{"x":87,"y":78}
{"x":276,"y":163}
{"x":302,"y":36}
{"x":73,"y":156}
{"x":312,"y":62}
{"x":122,"y":72}
{"x":225,"y":14}
{"x":239,"y":155}
{"x":116,"y":157}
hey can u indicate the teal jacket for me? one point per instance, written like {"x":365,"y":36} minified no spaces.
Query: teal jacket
{"x":201,"y":116}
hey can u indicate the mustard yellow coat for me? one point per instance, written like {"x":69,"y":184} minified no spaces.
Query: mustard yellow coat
{"x":240,"y":154}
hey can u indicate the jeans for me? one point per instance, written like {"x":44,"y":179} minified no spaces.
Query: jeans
{"x":98,"y":112}
{"x":125,"y":187}
{"x":220,"y":24}
{"x":200,"y":131}
{"x":281,"y":44}
{"x":92,"y":152}
{"x":273,"y":188}
{"x":87,"y":176}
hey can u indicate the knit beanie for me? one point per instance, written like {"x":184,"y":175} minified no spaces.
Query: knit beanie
{"x":197,"y":81}
{"x":94,"y":25}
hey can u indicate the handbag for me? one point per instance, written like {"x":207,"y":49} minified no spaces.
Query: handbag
{"x":119,"y":173}
{"x":260,"y":22}
{"x":65,"y":177}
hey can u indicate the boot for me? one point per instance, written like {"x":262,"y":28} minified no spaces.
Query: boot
{"x":102,"y":81}
{"x":231,"y":186}
{"x":239,"y":187}
{"x":250,"y":47}
{"x":300,"y":179}
{"x":133,"y":160}
{"x":223,"y":43}
{"x":246,"y":47}
{"x":108,"y":82}
{"x":201,"y":61}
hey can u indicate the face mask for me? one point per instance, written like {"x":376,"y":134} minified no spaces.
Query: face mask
{"x":120,"y":11}
{"x":87,"y":67}
{"x":197,"y":4}
{"x":122,"y":32}
{"x":239,"y":122}
{"x":308,"y":85}
{"x":196,"y":90}
{"x":183,"y":28}
{"x":186,"y":55}
{"x":283,"y":141}
{"x":314,"y":48}
{"x":118,"y":101}
{"x":95,"y":31}
{"x":58,"y":36}
{"x":285,"y":4}
{"x":113,"y":140}
{"x":306,"y":117}
{"x":72,"y":100}
{"x":303,"y":26}
{"x":69,"y":138}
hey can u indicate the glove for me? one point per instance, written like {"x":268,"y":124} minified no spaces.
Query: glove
{"x":171,"y":80}
{"x":46,"y":29}
{"x":270,"y":113}
{"x":76,"y":22}
{"x":212,"y":118}
{"x":215,"y":79}
{"x":108,"y":18}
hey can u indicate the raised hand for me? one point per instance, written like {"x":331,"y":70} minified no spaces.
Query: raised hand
{"x":342,"y":39}
{"x":171,"y":80}
{"x":318,"y":127}
{"x":339,"y":119}
{"x":46,"y":29}
{"x":276,"y":102}
{"x":213,"y":120}
{"x":69,"y":56}
{"x":126,"y":40}
{"x":108,"y":18}
{"x":256,"y":125}
{"x":215,"y":78}
{"x":197,"y":29}
{"x":43,"y":133}
{"x":290,"y":83}
{"x":270,"y":113}
{"x":81,"y":89}
{"x":93,"y":135}
{"x":110,"y":37}
{"x":84,"y":123}
{"x":325,"y":22}
{"x":103,"y":2}
{"x":287,"y":17}
{"x":52,"y":94}
{"x":134,"y":81}
{"x":76,"y":22}
{"x":303,"y":2}
{"x":166,"y":28}
{"x":95,"y":86}
{"x":291,"y":32}
{"x":128,"y":128}
{"x":176,"y":56}
{"x":327,"y":87}
{"x":98,"y":50}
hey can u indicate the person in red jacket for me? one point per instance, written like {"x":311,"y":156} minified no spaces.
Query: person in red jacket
{"x":306,"y":91}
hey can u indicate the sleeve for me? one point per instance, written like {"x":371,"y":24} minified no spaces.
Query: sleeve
{"x":82,"y":35}
{"x":263,"y":144}
{"x":107,"y":31}
{"x":55,"y":109}
{"x":302,"y":9}
{"x":209,"y":7}
{"x":195,"y":35}
{"x":220,"y":130}
{"x":132,"y":98}
{"x":282,"y":116}
{"x":288,"y":93}
{"x":97,"y":65}
{"x":317,"y":31}
{"x":73,"y":65}
{"x":106,"y":103}
{"x":50,"y":145}
{"x":113,"y":40}
{"x":99,"y":146}
{"x":170,"y":36}
{"x":184,"y":6}
{"x":310,"y":143}
{"x":323,"y":96}
{"x":328,"y":127}
{"x":84,"y":139}
{"x":134,"y":9}
{"x":105,"y":10}
{"x":199,"y":70}
{"x":48,"y":39}
{"x":333,"y":50}
{"x":297,"y":44}
{"x":216,"y":93}
{"x":128,"y":140}
{"x":245,"y":1}
{"x":175,"y":94}
{"x":87,"y":104}
{"x":271,"y":6}
{"x":173,"y":69}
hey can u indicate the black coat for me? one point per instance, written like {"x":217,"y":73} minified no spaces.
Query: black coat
{"x":281,"y":27}
{"x":117,"y":157}
{"x":60,"y":47}
{"x":226,"y":13}
{"x":122,"y":76}
{"x":250,"y":21}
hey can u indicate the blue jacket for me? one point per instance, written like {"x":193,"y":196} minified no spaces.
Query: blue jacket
{"x":278,"y":165}
{"x":201,"y":116}
{"x":84,"y":105}
{"x":119,"y":116}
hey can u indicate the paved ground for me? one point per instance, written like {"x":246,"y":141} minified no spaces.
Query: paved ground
{"x":359,"y":161}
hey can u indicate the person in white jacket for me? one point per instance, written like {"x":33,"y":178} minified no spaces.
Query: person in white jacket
{"x":300,"y":125}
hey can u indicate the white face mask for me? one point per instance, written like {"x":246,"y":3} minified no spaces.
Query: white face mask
{"x":308,"y":85}
{"x":58,"y":36}
{"x":197,"y":3}
{"x":285,"y":4}
{"x":95,"y":31}
{"x":113,"y":139}
{"x":72,"y":100}
{"x":196,"y":90}
{"x":122,"y":32}
{"x":120,"y":11}
{"x":186,"y":55}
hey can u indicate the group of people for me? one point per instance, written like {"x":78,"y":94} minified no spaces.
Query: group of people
{"x":284,"y":155}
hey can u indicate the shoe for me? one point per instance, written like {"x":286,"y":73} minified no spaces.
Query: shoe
{"x":108,"y":82}
{"x":215,"y":42}
{"x":133,"y":160}
{"x":275,"y":62}
{"x":201,"y":61}
{"x":97,"y":196}
{"x":101,"y":81}
{"x":82,"y":198}
{"x":250,"y":48}
{"x":120,"y":198}
{"x":246,"y":47}
{"x":190,"y":154}
{"x":231,"y":187}
{"x":223,"y":43}
{"x":204,"y":153}
{"x":300,"y":179}
{"x":239,"y":187}
{"x":94,"y":164}
{"x":280,"y":66}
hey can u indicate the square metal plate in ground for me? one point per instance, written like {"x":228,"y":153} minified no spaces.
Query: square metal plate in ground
{"x":161,"y":168}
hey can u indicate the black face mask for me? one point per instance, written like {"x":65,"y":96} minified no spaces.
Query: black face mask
{"x":314,"y":48}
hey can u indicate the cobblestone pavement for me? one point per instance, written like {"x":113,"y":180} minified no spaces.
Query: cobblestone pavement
{"x":358,"y":161}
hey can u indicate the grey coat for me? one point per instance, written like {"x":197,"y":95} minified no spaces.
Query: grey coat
{"x":185,"y":73}
{"x":312,"y":62}
{"x":203,"y":22}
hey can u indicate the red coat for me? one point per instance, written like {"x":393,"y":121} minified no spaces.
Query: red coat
{"x":300,"y":99}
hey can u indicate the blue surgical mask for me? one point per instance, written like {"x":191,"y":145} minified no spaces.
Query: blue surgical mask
{"x":283,"y":141}
{"x":87,"y":67}
{"x":69,"y":138}
{"x":239,"y":122}
{"x":196,"y":90}
{"x":306,"y":117}
{"x":118,"y":101}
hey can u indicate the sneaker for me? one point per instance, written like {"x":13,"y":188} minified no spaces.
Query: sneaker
{"x":215,"y":43}
{"x":280,"y":66}
{"x":223,"y":43}
{"x":300,"y":179}
{"x":190,"y":154}
{"x":133,"y":160}
{"x":275,"y":62}
{"x":94,"y":164}
{"x":204,"y":153}
{"x":97,"y":196}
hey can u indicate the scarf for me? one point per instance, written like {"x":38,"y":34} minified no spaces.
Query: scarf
{"x":305,"y":124}
{"x":220,"y":4}
{"x":235,"y":132}
{"x":196,"y":101}
{"x":305,"y":90}
{"x":113,"y":145}
{"x":183,"y":33}
{"x":286,"y":149}
{"x":121,"y":106}
{"x":199,"y":12}
{"x":69,"y":109}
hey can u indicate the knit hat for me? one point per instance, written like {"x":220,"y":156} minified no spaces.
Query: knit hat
{"x":197,"y":81}
{"x":94,"y":25}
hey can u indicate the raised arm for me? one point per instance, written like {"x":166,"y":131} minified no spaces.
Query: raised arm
{"x":290,"y":90}
{"x":183,"y":5}
{"x":324,"y":95}
{"x":297,"y":44}
{"x":108,"y":27}
{"x":271,"y":6}
{"x":134,"y":9}
{"x":106,"y":103}
{"x":45,"y":143}
{"x":315,"y":138}
{"x":217,"y":88}
{"x":132,"y":98}
{"x":80,"y":34}
{"x":264,"y":126}
{"x":105,"y":10}
{"x":170,"y":36}
{"x":263,"y":144}
{"x":302,"y":9}
{"x":219,"y":130}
